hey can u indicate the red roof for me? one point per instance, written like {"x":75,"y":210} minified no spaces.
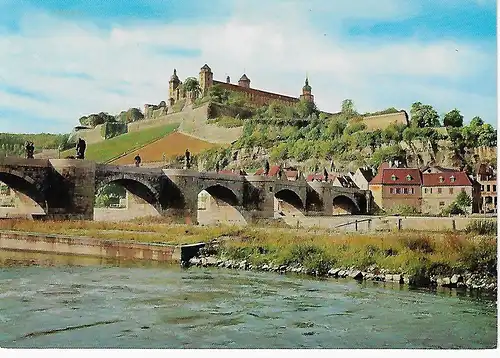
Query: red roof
{"x":445,"y":179}
{"x":401,"y":176}
{"x":321,"y":177}
{"x":273,"y":171}
{"x":377,"y":179}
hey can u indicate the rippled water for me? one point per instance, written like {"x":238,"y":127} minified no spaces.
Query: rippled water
{"x":105,"y":306}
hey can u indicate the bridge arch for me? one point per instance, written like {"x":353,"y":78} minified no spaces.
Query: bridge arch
{"x":218,"y":203}
{"x":32,"y":199}
{"x":142,"y":198}
{"x":345,"y":204}
{"x":288,"y":202}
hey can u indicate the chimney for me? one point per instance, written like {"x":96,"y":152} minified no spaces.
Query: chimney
{"x":228,"y":80}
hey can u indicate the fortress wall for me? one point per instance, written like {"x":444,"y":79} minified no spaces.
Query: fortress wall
{"x":89,"y":135}
{"x":257,"y":96}
{"x":200,"y":112}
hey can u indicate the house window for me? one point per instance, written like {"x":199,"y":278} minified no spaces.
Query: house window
{"x":393,"y":177}
{"x":463,"y":190}
{"x":452,"y":179}
{"x":425,"y":190}
{"x":441,"y":203}
{"x":488,"y":187}
{"x":441,"y":179}
{"x":494,"y":188}
{"x":405,"y":190}
{"x":430,"y":190}
{"x":408,"y":177}
{"x":412,"y":191}
{"x":440,"y":190}
{"x":391,"y":190}
{"x":482,"y":187}
{"x":398,"y":190}
{"x":270,"y":189}
{"x":451,"y":190}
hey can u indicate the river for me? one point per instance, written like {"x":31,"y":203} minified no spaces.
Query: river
{"x":68,"y":302}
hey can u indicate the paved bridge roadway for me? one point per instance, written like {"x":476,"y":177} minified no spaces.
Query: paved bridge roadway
{"x":66,"y":188}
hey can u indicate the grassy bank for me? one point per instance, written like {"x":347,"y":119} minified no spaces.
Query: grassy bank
{"x":413,"y":253}
{"x":123,"y":144}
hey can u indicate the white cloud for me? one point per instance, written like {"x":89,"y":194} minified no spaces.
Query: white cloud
{"x":275,"y":51}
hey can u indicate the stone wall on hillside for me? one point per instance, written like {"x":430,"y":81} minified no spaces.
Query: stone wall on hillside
{"x":91,"y":135}
{"x":382,"y":121}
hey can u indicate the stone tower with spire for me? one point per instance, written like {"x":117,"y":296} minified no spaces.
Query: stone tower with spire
{"x":206,"y":79}
{"x":306,"y":92}
{"x":173,"y":88}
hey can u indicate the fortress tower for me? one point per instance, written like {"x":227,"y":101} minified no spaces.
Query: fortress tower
{"x":306,"y":92}
{"x":173,"y":88}
{"x":206,"y":79}
{"x":244,"y":81}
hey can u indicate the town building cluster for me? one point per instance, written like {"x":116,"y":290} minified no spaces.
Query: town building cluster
{"x":428,"y":190}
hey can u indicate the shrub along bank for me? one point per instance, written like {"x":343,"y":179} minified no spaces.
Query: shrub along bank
{"x":447,"y":259}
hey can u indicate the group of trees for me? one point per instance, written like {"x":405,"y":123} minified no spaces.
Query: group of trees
{"x":92,"y":120}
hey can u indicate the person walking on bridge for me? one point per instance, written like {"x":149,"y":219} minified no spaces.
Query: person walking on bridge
{"x":137,"y":160}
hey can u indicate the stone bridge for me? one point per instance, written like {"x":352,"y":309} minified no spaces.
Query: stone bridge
{"x":66,"y":189}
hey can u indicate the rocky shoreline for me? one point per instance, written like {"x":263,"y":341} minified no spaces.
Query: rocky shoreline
{"x":466,"y":280}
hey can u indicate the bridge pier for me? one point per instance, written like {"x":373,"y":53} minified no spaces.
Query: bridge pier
{"x":71,"y":191}
{"x":322,"y":192}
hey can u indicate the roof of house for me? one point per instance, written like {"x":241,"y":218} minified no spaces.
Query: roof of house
{"x":346,"y":181}
{"x":402,"y":176}
{"x":445,"y":179}
{"x":377,"y":179}
{"x":367,"y":173}
{"x":321,"y":177}
{"x":273,"y":171}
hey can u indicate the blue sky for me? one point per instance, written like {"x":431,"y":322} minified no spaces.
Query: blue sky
{"x":60,"y":60}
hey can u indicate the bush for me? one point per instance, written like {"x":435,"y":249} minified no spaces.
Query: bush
{"x":420,"y":244}
{"x":482,"y":227}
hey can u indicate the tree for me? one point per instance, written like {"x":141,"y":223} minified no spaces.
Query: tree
{"x":305,"y":108}
{"x":453,"y":119}
{"x":93,"y":120}
{"x":192,"y":85}
{"x":476,"y":122}
{"x":348,"y":108}
{"x":487,"y":136}
{"x":218,"y":94}
{"x":132,"y":115}
{"x":423,"y":115}
{"x":463,"y":200}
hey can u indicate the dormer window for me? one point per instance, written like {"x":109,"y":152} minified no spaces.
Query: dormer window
{"x":452,"y":179}
{"x":441,"y":179}
{"x":393,"y":177}
{"x":408,"y":177}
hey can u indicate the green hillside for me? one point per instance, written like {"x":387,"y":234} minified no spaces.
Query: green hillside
{"x":109,"y":149}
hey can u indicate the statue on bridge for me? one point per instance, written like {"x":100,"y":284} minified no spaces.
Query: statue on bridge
{"x":325,"y":174}
{"x":187,"y":159}
{"x":137,"y":160}
{"x":80,"y":149}
{"x":217,"y":166}
{"x":30,"y":149}
{"x":266,"y":167}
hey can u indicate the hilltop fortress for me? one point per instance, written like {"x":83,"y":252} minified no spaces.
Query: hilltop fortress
{"x":206,"y":80}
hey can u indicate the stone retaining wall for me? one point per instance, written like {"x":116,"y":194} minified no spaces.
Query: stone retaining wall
{"x":86,"y":246}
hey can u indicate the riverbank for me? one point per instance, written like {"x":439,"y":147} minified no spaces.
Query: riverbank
{"x":415,"y":259}
{"x":449,"y":259}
